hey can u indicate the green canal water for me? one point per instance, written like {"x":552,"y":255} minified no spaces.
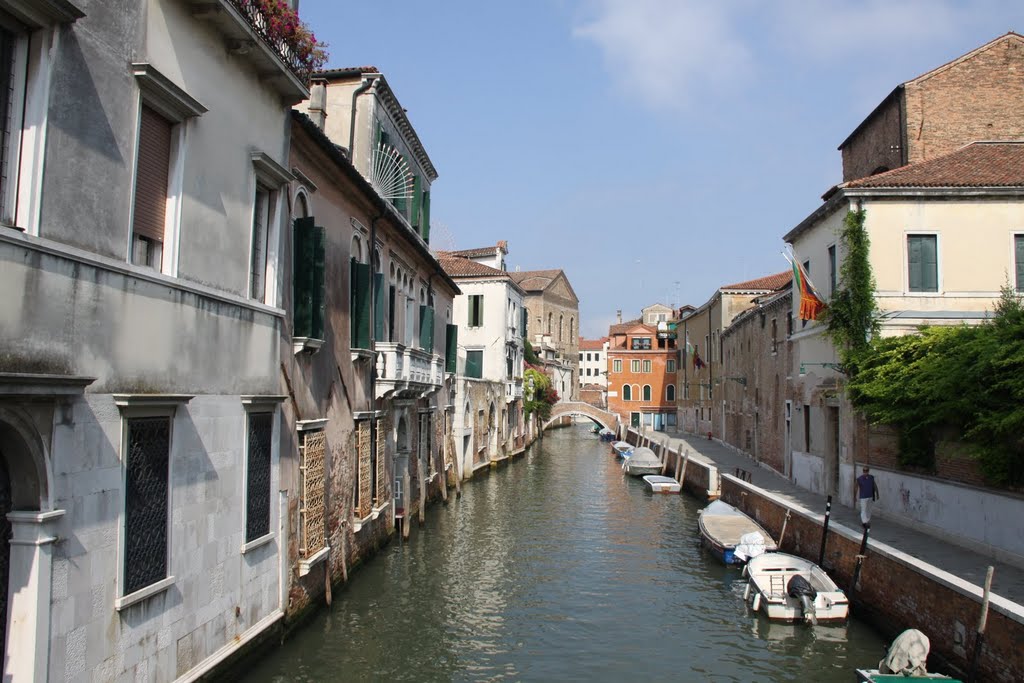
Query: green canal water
{"x":558,"y":568}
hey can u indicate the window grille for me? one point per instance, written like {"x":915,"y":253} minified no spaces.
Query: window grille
{"x":146,"y":502}
{"x":365,"y":474}
{"x":257,"y":504}
{"x":314,"y":447}
{"x":381,"y":493}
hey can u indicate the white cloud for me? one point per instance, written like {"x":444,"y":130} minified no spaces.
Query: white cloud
{"x":664,"y":51}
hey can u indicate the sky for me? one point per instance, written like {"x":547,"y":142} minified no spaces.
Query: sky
{"x":654,"y":150}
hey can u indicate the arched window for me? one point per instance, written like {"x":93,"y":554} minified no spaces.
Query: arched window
{"x":670,"y":393}
{"x":627,"y":392}
{"x":357,"y":249}
{"x":560,"y":324}
{"x":647,"y":392}
{"x":302,"y":204}
{"x":572,"y":329}
{"x":550,"y":317}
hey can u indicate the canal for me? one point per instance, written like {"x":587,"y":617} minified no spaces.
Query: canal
{"x":557,"y":567}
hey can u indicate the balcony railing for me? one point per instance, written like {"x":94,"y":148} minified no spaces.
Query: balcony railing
{"x":244,"y":27}
{"x":513,"y":389}
{"x":406,"y":372}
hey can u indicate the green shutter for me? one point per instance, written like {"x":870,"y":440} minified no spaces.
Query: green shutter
{"x":302,"y":277}
{"x":379,"y":306}
{"x":1019,"y":246}
{"x":417,"y":202}
{"x":930,"y":263}
{"x":425,"y":220}
{"x":391,"y":313}
{"x":525,"y":318}
{"x":474,"y":364}
{"x":922,"y":263}
{"x":451,"y":348}
{"x":319,"y":304}
{"x":427,"y":328}
{"x":360,"y":311}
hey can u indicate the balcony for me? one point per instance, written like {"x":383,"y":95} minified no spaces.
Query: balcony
{"x":244,"y":28}
{"x":513,"y":389}
{"x":404,"y":372}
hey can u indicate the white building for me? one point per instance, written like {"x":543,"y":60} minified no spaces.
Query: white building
{"x":489,"y":314}
{"x":594,"y":362}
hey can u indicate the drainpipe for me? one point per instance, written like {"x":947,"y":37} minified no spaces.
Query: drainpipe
{"x":366,"y":85}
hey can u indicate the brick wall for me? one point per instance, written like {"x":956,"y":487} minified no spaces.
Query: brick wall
{"x":877,"y":144}
{"x":952,"y":459}
{"x":895,"y":593}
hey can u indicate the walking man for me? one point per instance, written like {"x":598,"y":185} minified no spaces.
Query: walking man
{"x":866,"y":492}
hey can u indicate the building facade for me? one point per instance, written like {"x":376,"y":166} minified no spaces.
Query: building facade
{"x":491,"y":319}
{"x":643,"y":371}
{"x":553,"y":325}
{"x":593,"y":360}
{"x":140,"y":417}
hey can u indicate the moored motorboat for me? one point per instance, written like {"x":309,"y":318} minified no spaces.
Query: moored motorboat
{"x":622,"y":449}
{"x":723,"y":528}
{"x":606,"y":434}
{"x":661,"y":484}
{"x":643,"y":461}
{"x":790,"y":588}
{"x":906,"y":660}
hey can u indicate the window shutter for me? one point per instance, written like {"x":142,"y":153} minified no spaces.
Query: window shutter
{"x":1019,"y":246}
{"x":929,"y":264}
{"x":451,"y":348}
{"x":379,"y":307}
{"x":425,"y":219}
{"x":302,"y":277}
{"x":417,"y":202}
{"x":914,"y":263}
{"x":525,"y":318}
{"x":474,"y":364}
{"x":427,"y":328}
{"x":151,"y":175}
{"x":391,"y":313}
{"x":318,"y":303}
{"x":360,"y":310}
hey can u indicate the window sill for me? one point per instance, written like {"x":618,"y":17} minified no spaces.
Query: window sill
{"x":261,"y":541}
{"x":141,"y":594}
{"x":358,"y":524}
{"x":306,"y":565}
{"x":361,"y":353}
{"x":306,"y":345}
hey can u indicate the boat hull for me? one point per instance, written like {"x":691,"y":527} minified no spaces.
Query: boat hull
{"x":658,"y":484}
{"x":722,"y":526}
{"x":768,"y":577}
{"x":641,"y":470}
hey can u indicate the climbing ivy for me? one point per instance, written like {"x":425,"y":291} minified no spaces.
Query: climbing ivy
{"x":852,"y":314}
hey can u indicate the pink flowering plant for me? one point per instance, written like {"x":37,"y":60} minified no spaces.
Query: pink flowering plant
{"x":282,"y":26}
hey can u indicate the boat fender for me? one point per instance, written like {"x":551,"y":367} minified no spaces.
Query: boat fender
{"x":756,"y":604}
{"x":746,"y":592}
{"x":744,"y":572}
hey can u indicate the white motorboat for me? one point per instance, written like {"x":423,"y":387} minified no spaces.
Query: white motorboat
{"x":661,"y":484}
{"x":906,"y":660}
{"x":643,"y":461}
{"x":724,"y":530}
{"x":790,"y":588}
{"x":622,"y":449}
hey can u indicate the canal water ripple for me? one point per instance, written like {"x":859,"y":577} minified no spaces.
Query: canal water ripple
{"x":558,"y":568}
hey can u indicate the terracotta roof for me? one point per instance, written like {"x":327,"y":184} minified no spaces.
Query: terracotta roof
{"x":979,"y":164}
{"x":768,"y":283}
{"x":623,"y":328}
{"x":592,"y":344}
{"x":458,"y":266}
{"x":533,"y":280}
{"x":479,"y":251}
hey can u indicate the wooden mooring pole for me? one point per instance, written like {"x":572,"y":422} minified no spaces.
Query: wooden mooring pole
{"x":824,"y":531}
{"x":782,"y":534}
{"x":979,"y":638}
{"x":860,"y":561}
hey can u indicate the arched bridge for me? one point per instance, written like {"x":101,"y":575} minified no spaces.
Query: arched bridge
{"x":602,"y":417}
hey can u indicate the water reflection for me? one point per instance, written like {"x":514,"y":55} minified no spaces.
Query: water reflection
{"x":558,"y":567}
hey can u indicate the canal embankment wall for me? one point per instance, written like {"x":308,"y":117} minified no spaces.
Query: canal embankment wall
{"x":894,"y":591}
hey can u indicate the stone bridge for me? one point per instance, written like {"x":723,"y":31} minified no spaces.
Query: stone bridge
{"x":602,"y":417}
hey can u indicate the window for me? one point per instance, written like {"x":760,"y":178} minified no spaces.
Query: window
{"x":476,"y":310}
{"x":617,"y":365}
{"x":312,"y":512}
{"x":832,"y":274}
{"x":269,"y":179}
{"x":475,"y":364}
{"x":589,"y":357}
{"x":257,"y":475}
{"x":12,"y":77}
{"x":775,"y":340}
{"x":550,"y":317}
{"x":359,"y":299}
{"x":451,"y":348}
{"x":1018,"y":251}
{"x":807,"y":428}
{"x":634,"y":366}
{"x":647,"y":366}
{"x":561,"y":324}
{"x":427,"y":325}
{"x":922,"y":263}
{"x":581,"y":356}
{"x":309,"y":245}
{"x":368,"y":479}
{"x":641,"y":344}
{"x":670,"y":365}
{"x":152,"y":174}
{"x":670,"y":393}
{"x":588,"y":372}
{"x":627,"y":392}
{"x":647,"y":392}
{"x":146,"y":502}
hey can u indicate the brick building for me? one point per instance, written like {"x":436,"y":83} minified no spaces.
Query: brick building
{"x":974,"y":97}
{"x":553,"y":313}
{"x":643,"y":367}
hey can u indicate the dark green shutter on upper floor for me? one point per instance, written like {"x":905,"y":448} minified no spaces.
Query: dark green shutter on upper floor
{"x":427,"y":328}
{"x":308,"y":305}
{"x":475,"y":364}
{"x":379,"y":306}
{"x":391,"y":313}
{"x":922,"y":263}
{"x":451,"y":348}
{"x":360,"y":309}
{"x":319,"y":303}
{"x":525,"y":319}
{"x":425,"y":219}
{"x":417,"y":203}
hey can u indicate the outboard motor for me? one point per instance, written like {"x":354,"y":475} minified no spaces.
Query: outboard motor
{"x":801,"y":589}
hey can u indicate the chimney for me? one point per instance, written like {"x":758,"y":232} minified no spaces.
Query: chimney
{"x":618,"y":316}
{"x":318,"y":103}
